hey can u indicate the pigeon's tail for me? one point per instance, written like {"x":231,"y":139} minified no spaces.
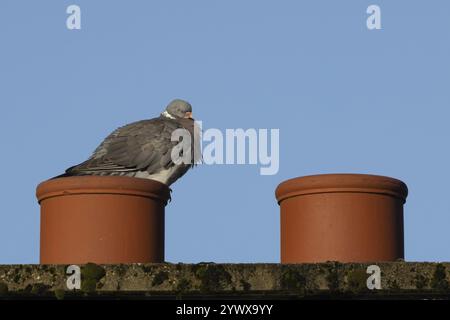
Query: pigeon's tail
{"x":69,"y":173}
{"x":64,"y":175}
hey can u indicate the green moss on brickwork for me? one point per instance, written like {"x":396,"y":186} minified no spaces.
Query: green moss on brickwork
{"x":39,"y":288}
{"x":92,"y":271}
{"x":88,"y":285}
{"x":59,"y":294}
{"x":292,"y":280}
{"x":91,"y":274}
{"x":3,"y":289}
{"x":245,"y":285}
{"x":357,"y":280}
{"x":159,"y":278}
{"x":421,"y":281}
{"x":147,"y":269}
{"x":439,"y":281}
{"x":332,"y":279}
{"x":394,"y":285}
{"x":120,"y":269}
{"x":212,"y":277}
{"x":17,"y":275}
{"x":183,"y":285}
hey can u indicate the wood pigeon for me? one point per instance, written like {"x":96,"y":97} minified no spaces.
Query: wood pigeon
{"x":143,"y":149}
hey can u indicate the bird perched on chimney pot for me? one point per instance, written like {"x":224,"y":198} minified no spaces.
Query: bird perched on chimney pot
{"x":143,"y":149}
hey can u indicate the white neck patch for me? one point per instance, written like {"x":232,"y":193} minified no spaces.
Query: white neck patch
{"x":167,"y":115}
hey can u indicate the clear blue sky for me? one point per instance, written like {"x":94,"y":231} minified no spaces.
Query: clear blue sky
{"x":345,"y":99}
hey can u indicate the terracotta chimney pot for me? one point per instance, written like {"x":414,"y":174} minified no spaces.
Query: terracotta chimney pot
{"x":341,"y":217}
{"x":102,"y":220}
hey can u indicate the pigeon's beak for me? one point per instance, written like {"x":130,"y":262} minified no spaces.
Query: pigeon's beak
{"x":188,"y":115}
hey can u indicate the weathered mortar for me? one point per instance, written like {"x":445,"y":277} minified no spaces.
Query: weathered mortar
{"x":326,"y":280}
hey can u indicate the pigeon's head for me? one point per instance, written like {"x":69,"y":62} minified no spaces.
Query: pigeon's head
{"x":178,"y":109}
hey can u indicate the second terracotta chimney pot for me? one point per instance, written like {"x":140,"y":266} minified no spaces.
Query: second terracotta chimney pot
{"x":341,"y":217}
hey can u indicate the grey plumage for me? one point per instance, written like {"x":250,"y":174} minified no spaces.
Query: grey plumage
{"x":143,"y":149}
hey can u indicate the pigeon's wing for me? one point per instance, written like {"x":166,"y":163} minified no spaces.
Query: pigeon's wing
{"x":143,"y":145}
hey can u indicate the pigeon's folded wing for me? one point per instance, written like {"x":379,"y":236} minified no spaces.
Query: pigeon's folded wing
{"x":143,"y":145}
